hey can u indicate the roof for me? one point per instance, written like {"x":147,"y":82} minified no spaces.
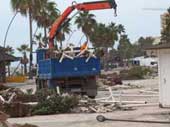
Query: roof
{"x":6,"y":57}
{"x":160,"y":46}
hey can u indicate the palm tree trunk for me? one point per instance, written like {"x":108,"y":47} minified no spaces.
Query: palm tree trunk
{"x":105,"y":58}
{"x":25,"y":69}
{"x":61,"y":45}
{"x":9,"y":74}
{"x":31,"y":46}
{"x":45,"y":35}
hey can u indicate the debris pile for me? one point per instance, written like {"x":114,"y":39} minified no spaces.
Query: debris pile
{"x":16,"y":103}
{"x":5,"y":123}
{"x":111,"y":79}
{"x":92,"y":106}
{"x":12,"y":102}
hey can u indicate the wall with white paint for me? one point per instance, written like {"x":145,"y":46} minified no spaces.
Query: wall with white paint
{"x":164,"y":77}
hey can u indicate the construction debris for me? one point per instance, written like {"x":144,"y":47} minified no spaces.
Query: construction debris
{"x":5,"y":123}
{"x":19,"y":104}
{"x":111,"y":79}
{"x":12,"y":102}
{"x":2,"y":87}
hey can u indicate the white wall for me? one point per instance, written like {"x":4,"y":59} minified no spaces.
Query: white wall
{"x":164,"y":77}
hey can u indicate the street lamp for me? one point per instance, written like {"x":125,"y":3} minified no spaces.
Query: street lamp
{"x":11,"y":21}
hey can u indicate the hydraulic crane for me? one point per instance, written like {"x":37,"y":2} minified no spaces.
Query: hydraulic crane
{"x":87,"y":6}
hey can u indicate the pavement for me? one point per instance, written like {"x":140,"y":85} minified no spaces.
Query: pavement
{"x":89,"y":120}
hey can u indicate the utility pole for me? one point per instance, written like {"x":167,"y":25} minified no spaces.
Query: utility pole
{"x":31,"y":45}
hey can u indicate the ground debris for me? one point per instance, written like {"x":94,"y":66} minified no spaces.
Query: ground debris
{"x":111,"y":79}
{"x":5,"y":123}
{"x":12,"y":102}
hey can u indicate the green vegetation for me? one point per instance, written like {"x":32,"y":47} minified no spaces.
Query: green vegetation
{"x":9,"y":50}
{"x":51,"y":103}
{"x":165,"y":32}
{"x":86,"y":21}
{"x":135,"y":73}
{"x":24,"y":60}
{"x":43,"y":12}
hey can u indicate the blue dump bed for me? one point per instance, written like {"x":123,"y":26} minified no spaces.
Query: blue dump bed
{"x":52,"y":68}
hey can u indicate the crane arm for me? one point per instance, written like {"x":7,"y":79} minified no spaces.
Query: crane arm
{"x":88,"y":6}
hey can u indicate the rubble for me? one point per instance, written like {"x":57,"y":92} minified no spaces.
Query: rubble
{"x":106,"y":104}
{"x":12,"y":102}
{"x":16,"y":103}
{"x":16,"y":109}
{"x":5,"y":123}
{"x":2,"y":87}
{"x":111,"y":79}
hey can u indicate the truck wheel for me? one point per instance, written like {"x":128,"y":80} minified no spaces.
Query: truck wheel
{"x":92,"y":97}
{"x":91,"y":93}
{"x":91,"y":89}
{"x":37,"y":84}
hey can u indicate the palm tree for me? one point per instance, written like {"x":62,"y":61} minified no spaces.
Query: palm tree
{"x":165,"y":32}
{"x":125,"y":48}
{"x":9,"y":50}
{"x":26,"y":8}
{"x":40,"y":40}
{"x":61,"y":36}
{"x":86,"y":22}
{"x":24,"y":49}
{"x":120,"y":29}
{"x":105,"y":36}
{"x":45,"y":15}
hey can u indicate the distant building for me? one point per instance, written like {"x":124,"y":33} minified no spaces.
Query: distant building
{"x":4,"y":59}
{"x":145,"y":61}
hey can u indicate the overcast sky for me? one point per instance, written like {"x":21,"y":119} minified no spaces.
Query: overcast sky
{"x":137,"y":21}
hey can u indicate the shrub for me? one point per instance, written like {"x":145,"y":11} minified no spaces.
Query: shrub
{"x":44,"y":93}
{"x":135,"y":73}
{"x":55,"y":104}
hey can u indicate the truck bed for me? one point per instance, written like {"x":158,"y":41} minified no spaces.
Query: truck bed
{"x":52,"y":68}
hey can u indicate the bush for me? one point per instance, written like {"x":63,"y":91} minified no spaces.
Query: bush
{"x":135,"y":73}
{"x":44,"y":93}
{"x":54,"y":103}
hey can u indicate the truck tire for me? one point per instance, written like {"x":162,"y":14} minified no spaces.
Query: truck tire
{"x":37,"y":84}
{"x":40,"y":84}
{"x":91,"y":89}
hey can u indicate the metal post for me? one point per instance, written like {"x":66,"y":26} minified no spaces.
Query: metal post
{"x":31,"y":46}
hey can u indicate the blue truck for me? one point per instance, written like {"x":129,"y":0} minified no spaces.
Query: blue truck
{"x":70,"y":75}
{"x":77,"y":75}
